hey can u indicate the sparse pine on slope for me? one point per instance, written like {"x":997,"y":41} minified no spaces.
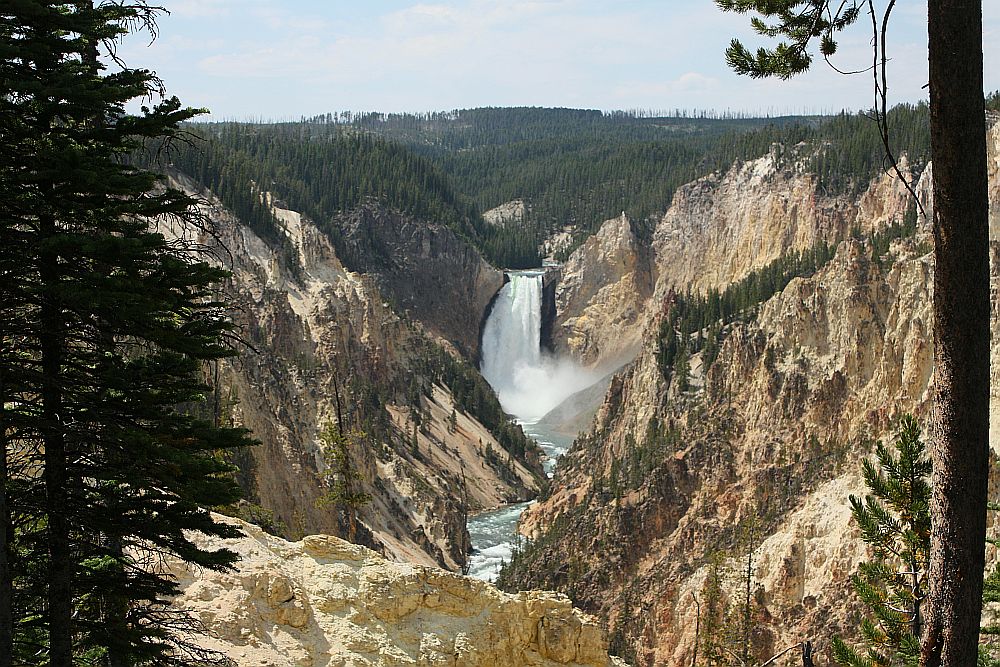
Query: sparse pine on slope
{"x":895,"y":522}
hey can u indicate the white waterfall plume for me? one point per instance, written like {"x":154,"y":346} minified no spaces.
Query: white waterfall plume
{"x":528,"y":382}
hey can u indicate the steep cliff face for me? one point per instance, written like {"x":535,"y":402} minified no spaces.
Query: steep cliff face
{"x":323,"y":342}
{"x":425,"y":270}
{"x":717,"y":230}
{"x":600,"y":296}
{"x":323,"y":602}
{"x":775,"y":434}
{"x":658,"y":498}
{"x":721,"y":227}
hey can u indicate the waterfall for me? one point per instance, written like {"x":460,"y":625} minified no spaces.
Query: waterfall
{"x":512,"y":335}
{"x":528,"y":382}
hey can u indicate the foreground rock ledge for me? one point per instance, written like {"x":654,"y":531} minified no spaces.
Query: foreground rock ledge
{"x":326,"y":602}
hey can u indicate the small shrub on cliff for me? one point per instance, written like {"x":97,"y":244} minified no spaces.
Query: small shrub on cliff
{"x":895,"y":522}
{"x":342,"y":475}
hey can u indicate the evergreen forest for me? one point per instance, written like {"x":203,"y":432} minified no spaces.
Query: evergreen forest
{"x":574,"y":169}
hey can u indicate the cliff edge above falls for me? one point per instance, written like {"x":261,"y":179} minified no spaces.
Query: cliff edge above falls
{"x":428,"y":272}
{"x":599,"y":297}
{"x":717,"y":229}
{"x":323,"y":602}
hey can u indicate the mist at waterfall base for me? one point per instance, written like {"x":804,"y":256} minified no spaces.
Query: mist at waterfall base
{"x":529,"y":384}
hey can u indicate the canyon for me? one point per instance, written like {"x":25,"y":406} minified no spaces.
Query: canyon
{"x":322,"y":343}
{"x":756,"y":458}
{"x":668,"y":486}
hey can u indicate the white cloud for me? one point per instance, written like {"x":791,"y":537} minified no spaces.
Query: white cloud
{"x":689,"y":82}
{"x":202,"y":8}
{"x":514,"y":41}
{"x":421,"y":17}
{"x":435,"y":54}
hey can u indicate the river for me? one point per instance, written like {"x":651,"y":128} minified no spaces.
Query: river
{"x":493,"y":534}
{"x":529,"y":384}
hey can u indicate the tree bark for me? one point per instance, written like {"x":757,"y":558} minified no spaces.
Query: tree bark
{"x":960,"y":419}
{"x":60,"y":565}
{"x":6,"y":536}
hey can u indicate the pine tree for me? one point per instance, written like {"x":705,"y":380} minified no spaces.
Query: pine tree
{"x":341,"y":475}
{"x":106,"y":328}
{"x":991,"y":596}
{"x":960,"y":413}
{"x":895,"y":522}
{"x":713,"y":632}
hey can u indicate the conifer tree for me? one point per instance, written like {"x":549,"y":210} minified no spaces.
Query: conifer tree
{"x":894,"y":520}
{"x":106,"y":327}
{"x":341,"y":474}
{"x":991,"y":597}
{"x":960,"y":412}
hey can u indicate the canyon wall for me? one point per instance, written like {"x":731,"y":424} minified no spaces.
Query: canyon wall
{"x":675,"y":487}
{"x":322,"y":344}
{"x":599,"y":297}
{"x":424,"y":269}
{"x":717,"y":229}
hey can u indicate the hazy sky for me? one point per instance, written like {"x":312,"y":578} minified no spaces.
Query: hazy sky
{"x":282,"y":59}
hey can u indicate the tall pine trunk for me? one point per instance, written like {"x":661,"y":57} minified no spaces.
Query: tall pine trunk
{"x":960,"y":420}
{"x":52,"y":342}
{"x":6,"y":546}
{"x":117,"y":612}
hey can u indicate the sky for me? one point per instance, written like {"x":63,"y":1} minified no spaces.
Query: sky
{"x":282,"y":59}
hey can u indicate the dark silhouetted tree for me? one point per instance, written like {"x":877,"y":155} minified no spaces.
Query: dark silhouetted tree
{"x":107,"y":326}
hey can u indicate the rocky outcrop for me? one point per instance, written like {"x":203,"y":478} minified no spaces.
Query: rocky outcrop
{"x":322,"y":341}
{"x":322,"y":602}
{"x":425,"y":270}
{"x":663,"y":491}
{"x":721,"y":227}
{"x":716,"y":231}
{"x":550,"y":282}
{"x":510,"y":212}
{"x":600,"y":297}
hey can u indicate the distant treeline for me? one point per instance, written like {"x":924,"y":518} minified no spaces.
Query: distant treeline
{"x":580,"y":167}
{"x":587,"y":176}
{"x":327,"y":175}
{"x":474,"y":128}
{"x":571,"y":167}
{"x":420,"y":120}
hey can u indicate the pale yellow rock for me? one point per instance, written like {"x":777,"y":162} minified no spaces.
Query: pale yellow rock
{"x":313,"y":323}
{"x":600,"y":296}
{"x":716,"y":230}
{"x":278,"y":609}
{"x":510,"y":212}
{"x":827,"y":363}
